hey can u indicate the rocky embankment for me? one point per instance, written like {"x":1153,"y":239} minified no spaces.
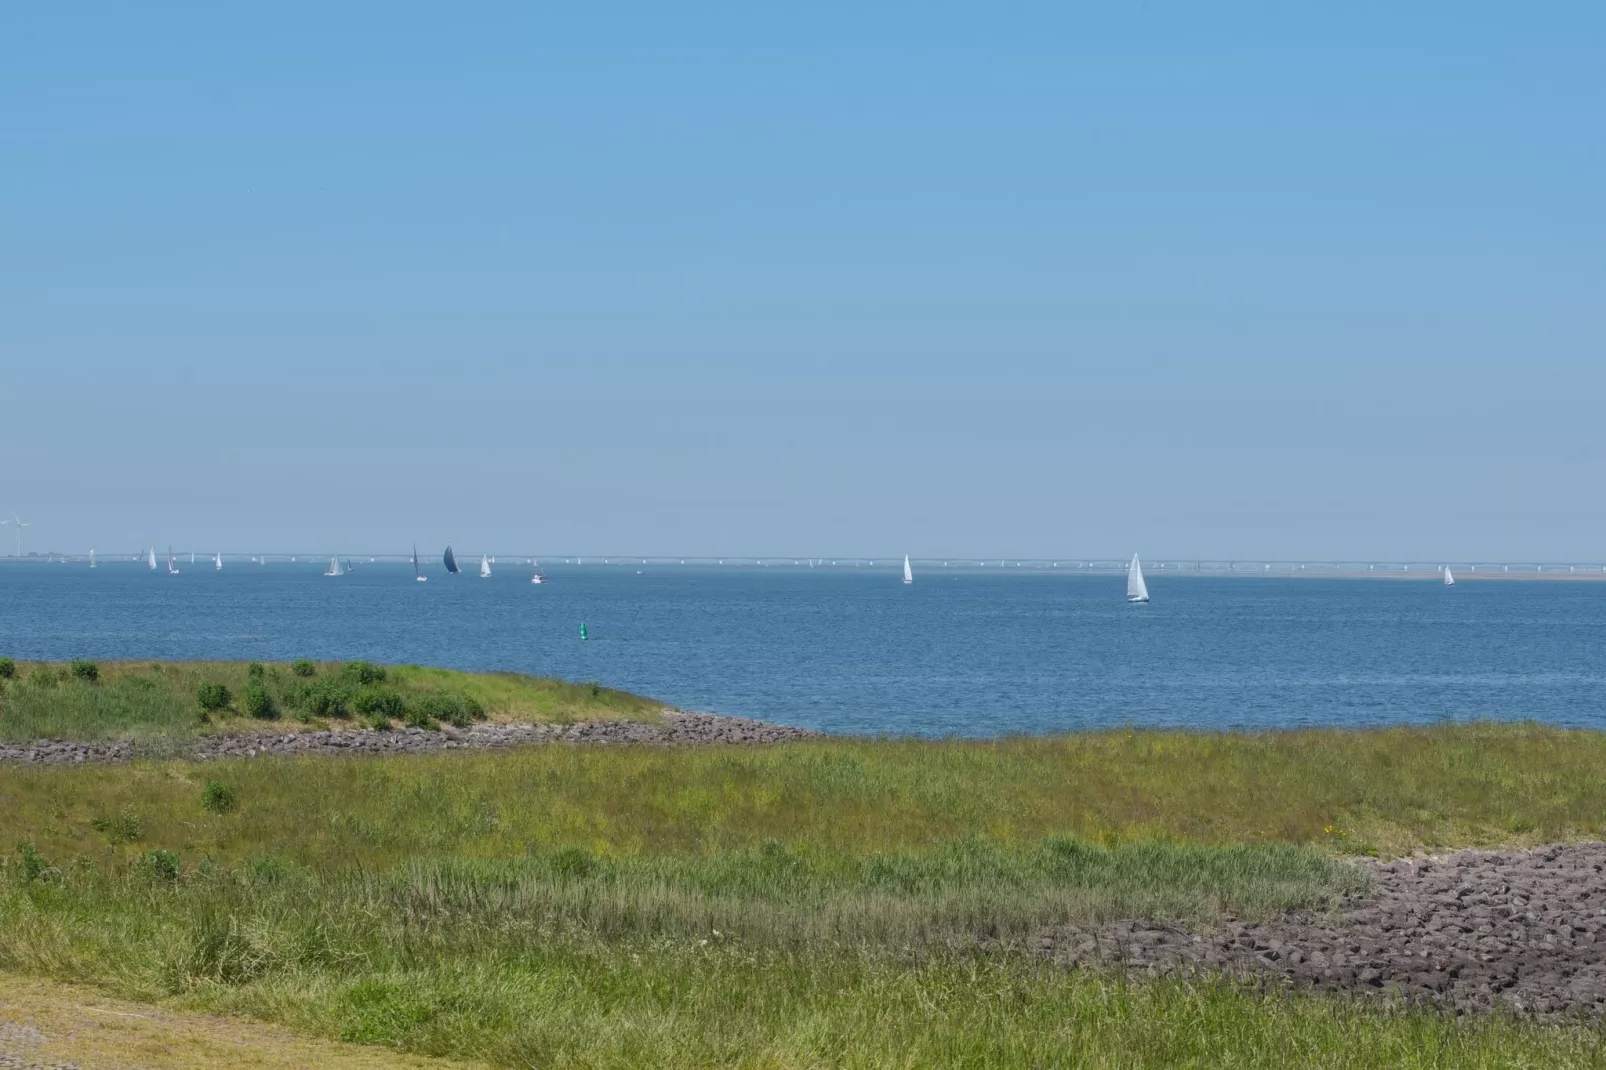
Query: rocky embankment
{"x":1523,"y":931}
{"x":676,"y":729}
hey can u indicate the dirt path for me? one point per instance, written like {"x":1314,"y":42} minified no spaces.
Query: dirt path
{"x":45,"y":1025}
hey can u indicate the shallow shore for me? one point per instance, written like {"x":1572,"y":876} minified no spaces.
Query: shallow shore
{"x":1476,"y":931}
{"x":675,"y":729}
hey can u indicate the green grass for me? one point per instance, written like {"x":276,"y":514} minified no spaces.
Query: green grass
{"x":157,"y":701}
{"x":829,"y":903}
{"x":515,"y":991}
{"x":1390,"y":791}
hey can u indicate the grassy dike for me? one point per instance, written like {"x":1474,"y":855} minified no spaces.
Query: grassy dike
{"x":173,"y":702}
{"x":832,"y":903}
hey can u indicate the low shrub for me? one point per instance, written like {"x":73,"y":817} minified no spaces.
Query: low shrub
{"x":258,"y":703}
{"x":363,"y":672}
{"x":86,"y":671}
{"x":456,"y":709}
{"x":126,"y":827}
{"x":160,"y":865}
{"x":255,"y":671}
{"x":379,"y":723}
{"x":213,"y":696}
{"x":34,"y":865}
{"x":413,"y":718}
{"x":303,"y":667}
{"x":326,"y":698}
{"x":8,"y":671}
{"x":371,"y":700}
{"x":217,"y":797}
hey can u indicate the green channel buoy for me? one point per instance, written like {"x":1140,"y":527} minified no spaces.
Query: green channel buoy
{"x":582,"y":629}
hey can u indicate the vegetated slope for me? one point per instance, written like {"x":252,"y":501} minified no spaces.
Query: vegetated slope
{"x":174,"y":701}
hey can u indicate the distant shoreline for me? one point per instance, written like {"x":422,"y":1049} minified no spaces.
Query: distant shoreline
{"x":937,"y":567}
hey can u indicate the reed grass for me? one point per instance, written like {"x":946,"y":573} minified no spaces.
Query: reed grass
{"x":339,"y":964}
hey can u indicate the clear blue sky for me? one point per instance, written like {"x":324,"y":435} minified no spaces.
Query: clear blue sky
{"x":1193,"y":279}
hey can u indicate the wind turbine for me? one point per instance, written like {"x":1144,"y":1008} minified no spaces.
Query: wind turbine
{"x":21,"y":523}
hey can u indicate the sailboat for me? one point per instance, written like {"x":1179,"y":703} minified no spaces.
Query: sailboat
{"x":451,"y":562}
{"x":150,"y":558}
{"x":536,"y":577}
{"x":1136,"y":589}
{"x":91,"y":559}
{"x":417,"y":572}
{"x":1449,"y":580}
{"x":334,"y":566}
{"x":908,"y":574}
{"x":485,"y":567}
{"x":217,"y":561}
{"x":171,"y":570}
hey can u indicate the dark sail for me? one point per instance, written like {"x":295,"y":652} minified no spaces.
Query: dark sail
{"x":415,"y":560}
{"x":451,"y":562}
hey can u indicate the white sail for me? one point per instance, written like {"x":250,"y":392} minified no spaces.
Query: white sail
{"x":485,"y":567}
{"x":150,"y":558}
{"x":217,"y":560}
{"x":908,"y":573}
{"x":536,"y":576}
{"x":334,"y":566}
{"x":171,"y":570}
{"x":91,"y":559}
{"x":1449,"y":580}
{"x":1136,"y":589}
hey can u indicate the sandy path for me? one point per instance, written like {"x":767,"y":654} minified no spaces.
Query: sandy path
{"x":53,"y":1026}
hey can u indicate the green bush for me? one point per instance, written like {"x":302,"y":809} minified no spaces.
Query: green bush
{"x":86,"y":671}
{"x":379,"y":723}
{"x":34,"y":866}
{"x":326,"y":698}
{"x":8,"y":671}
{"x":213,"y":696}
{"x":457,"y":709}
{"x":255,"y":671}
{"x":217,"y":797}
{"x":258,"y":703}
{"x":370,"y":700}
{"x":126,"y":827}
{"x":363,"y":672}
{"x":161,"y":865}
{"x":303,"y":667}
{"x":46,"y":677}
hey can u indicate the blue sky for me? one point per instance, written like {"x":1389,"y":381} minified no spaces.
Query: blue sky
{"x":1198,"y":280}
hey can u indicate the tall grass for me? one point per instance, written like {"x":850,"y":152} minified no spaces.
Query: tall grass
{"x":513,"y":991}
{"x":1350,"y":792}
{"x":158,"y":700}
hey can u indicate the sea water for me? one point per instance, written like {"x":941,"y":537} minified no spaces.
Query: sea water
{"x":856,"y":651}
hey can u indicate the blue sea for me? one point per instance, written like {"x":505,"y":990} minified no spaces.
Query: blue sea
{"x":972,"y":653}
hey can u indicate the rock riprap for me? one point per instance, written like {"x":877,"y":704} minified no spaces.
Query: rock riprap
{"x":1523,"y":931}
{"x":676,"y":729}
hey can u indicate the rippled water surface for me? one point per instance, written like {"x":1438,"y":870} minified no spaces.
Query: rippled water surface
{"x":857,"y":651}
